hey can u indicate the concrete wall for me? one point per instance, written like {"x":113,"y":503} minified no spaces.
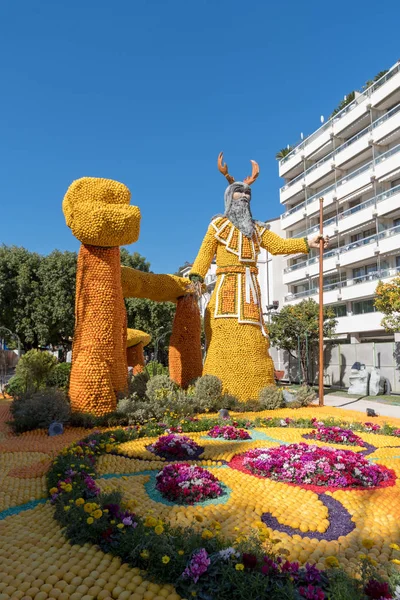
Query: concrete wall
{"x":339,"y":359}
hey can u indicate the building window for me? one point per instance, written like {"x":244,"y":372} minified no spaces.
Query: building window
{"x":339,"y":310}
{"x":397,"y":262}
{"x":396,"y":222}
{"x":361,"y":273}
{"x":363,"y":306}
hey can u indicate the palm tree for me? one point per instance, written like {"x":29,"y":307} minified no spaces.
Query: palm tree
{"x":283,"y":152}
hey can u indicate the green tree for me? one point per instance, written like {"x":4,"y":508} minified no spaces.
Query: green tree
{"x":19,"y":292}
{"x":54,"y":311}
{"x":34,"y":369}
{"x":134,"y":260}
{"x":387,"y":301}
{"x":290,"y":327}
{"x":283,"y":152}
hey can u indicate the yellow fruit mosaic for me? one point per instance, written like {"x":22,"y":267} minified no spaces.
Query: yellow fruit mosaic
{"x":37,"y":562}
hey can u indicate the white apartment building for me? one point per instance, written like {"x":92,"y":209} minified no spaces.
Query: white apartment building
{"x":353,"y":162}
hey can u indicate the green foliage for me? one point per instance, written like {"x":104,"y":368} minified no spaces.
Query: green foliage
{"x":154,"y":368}
{"x":283,"y":152}
{"x":300,"y":323}
{"x":40,"y":410}
{"x":37,"y":295}
{"x":138,"y":383}
{"x":305,"y":396}
{"x":350,"y":97}
{"x":134,"y":260}
{"x":271,"y":398}
{"x":387,"y":301}
{"x":208,"y":392}
{"x":161,"y":387}
{"x":16,"y":386}
{"x":59,"y":376}
{"x":34,"y":369}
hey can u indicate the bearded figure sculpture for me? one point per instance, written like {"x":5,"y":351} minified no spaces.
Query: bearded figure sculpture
{"x":236,"y":339}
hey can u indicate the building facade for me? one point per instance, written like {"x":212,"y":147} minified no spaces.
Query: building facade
{"x":353,"y":162}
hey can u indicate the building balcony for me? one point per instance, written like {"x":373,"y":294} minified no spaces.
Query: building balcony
{"x":359,"y":323}
{"x":382,"y":243}
{"x":362,"y":213}
{"x":352,"y":115}
{"x":343,"y":291}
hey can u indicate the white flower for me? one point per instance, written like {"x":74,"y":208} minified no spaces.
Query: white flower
{"x":397,"y":593}
{"x":283,"y":423}
{"x":228,"y":552}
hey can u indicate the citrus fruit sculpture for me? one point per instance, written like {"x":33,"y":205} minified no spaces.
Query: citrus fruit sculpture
{"x":99,"y":214}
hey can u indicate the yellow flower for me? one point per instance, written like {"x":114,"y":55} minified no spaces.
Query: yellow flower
{"x":216,"y":525}
{"x":79,"y":501}
{"x":239,"y":567}
{"x":207,"y":534}
{"x":159,"y":529}
{"x":393,"y":546}
{"x":165,"y":560}
{"x":89,"y":520}
{"x":199,"y":518}
{"x":88,"y":507}
{"x":372,"y":561}
{"x":144,"y":554}
{"x":181,"y":552}
{"x":53,"y":490}
{"x":150,"y":522}
{"x":368,"y":543}
{"x":109,"y":447}
{"x":97,"y":513}
{"x":331,"y":561}
{"x":120,"y":525}
{"x":67,"y":507}
{"x":395,"y":561}
{"x":362,"y":556}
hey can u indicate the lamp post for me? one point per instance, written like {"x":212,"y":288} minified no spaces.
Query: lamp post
{"x":14,"y":335}
{"x":321,"y":304}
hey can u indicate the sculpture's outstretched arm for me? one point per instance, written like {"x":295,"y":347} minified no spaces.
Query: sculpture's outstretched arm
{"x":162,"y":288}
{"x":277,"y":245}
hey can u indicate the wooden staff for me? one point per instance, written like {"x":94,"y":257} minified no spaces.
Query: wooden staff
{"x":321,"y":302}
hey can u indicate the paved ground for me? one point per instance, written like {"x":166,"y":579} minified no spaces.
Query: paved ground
{"x":388,"y":410}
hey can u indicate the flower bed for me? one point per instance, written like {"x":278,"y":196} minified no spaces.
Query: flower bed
{"x":335,"y":435}
{"x":187,"y":484}
{"x":229,"y":432}
{"x":303,"y":464}
{"x":175,"y":446}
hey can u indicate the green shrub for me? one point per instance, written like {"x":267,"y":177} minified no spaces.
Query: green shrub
{"x":16,"y":387}
{"x":305,"y":396}
{"x":161,"y":387}
{"x":59,"y":376}
{"x":249,"y":406}
{"x":40,"y":410}
{"x":208,"y":392}
{"x":154,"y":368}
{"x":271,"y":398}
{"x":34,"y":369}
{"x":137,"y":384}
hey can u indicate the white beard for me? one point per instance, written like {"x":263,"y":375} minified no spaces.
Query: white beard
{"x":239,"y":214}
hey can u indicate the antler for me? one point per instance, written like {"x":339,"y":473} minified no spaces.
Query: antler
{"x":254,"y":173}
{"x":224,"y":168}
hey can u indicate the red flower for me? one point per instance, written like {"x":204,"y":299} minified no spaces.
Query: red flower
{"x":249,"y":561}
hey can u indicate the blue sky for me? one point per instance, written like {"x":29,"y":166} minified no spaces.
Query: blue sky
{"x":149,"y":92}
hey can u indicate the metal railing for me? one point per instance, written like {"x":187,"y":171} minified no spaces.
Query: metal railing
{"x":346,"y":248}
{"x":373,"y":276}
{"x":332,"y":155}
{"x":350,"y":211}
{"x":360,"y":98}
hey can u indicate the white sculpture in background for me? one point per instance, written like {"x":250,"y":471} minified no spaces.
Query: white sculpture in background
{"x":359,"y":379}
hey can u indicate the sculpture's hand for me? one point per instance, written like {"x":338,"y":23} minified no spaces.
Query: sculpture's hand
{"x":314,"y":242}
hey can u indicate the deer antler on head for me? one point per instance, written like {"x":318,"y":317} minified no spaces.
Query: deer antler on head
{"x":224,"y":170}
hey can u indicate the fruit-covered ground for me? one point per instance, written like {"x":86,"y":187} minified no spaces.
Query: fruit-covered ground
{"x":306,"y":520}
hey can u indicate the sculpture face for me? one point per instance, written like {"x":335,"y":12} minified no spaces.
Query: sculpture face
{"x":99,"y":213}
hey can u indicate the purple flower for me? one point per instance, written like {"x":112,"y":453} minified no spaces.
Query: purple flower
{"x":197,"y":566}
